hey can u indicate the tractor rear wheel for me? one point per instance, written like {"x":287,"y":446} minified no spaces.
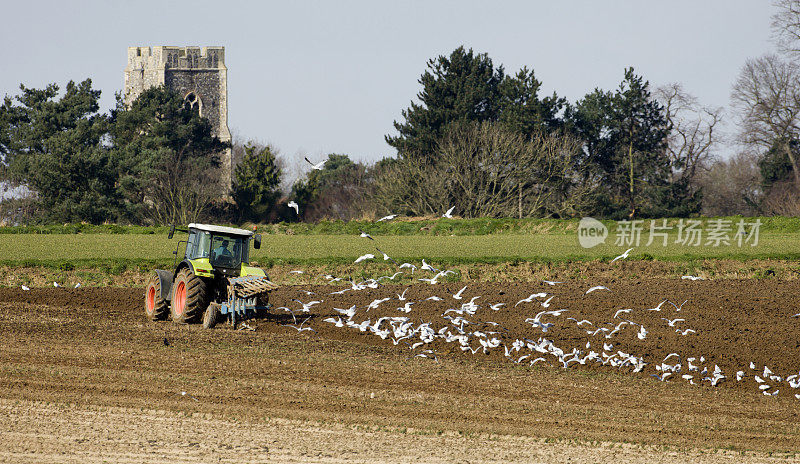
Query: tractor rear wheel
{"x":189,"y":297}
{"x":155,"y":307}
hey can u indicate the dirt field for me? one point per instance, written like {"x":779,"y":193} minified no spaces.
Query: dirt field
{"x":85,"y":378}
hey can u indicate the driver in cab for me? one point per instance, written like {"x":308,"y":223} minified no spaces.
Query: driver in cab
{"x":222,"y":251}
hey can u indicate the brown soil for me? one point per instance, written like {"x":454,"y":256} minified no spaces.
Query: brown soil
{"x":85,"y":377}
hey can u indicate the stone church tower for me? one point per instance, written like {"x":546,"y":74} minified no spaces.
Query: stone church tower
{"x":198,"y":74}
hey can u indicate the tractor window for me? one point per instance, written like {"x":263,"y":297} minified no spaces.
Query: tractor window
{"x":226,"y":251}
{"x":203,"y":245}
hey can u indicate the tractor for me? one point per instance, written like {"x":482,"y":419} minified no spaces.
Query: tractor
{"x":213,"y":283}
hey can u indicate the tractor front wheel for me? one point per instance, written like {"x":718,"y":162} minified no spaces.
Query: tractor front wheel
{"x":189,"y":297}
{"x":155,"y":307}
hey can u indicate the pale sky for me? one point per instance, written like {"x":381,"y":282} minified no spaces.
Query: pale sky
{"x":320,"y":77}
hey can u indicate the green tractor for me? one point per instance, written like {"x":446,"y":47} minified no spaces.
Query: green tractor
{"x":213,"y":282}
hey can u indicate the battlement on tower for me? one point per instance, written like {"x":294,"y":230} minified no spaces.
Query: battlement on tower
{"x":184,"y":58}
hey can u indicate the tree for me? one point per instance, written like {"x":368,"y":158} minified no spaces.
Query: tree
{"x":168,"y":158}
{"x":625,"y":151}
{"x":256,"y":181}
{"x":461,"y":87}
{"x":521,"y":109}
{"x":337,"y":191}
{"x":786,"y":26}
{"x":466,"y":87}
{"x":692,"y":139}
{"x":767,"y":96}
{"x":55,"y":147}
{"x":486,"y":169}
{"x":731,"y":186}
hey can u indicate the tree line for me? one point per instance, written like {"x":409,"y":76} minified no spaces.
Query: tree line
{"x":477,"y":138}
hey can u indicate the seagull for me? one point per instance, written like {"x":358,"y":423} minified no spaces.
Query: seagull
{"x":449,"y":213}
{"x":375,"y":303}
{"x":385,"y":256}
{"x":186,"y":394}
{"x":25,"y":288}
{"x":78,"y":285}
{"x":350,"y":312}
{"x":434,"y":298}
{"x":623,"y":255}
{"x":457,"y":296}
{"x":496,"y":306}
{"x":365,"y":235}
{"x":551,"y":282}
{"x":530,"y":298}
{"x":657,"y":308}
{"x":363,"y":258}
{"x":672,"y":323}
{"x":300,"y":327}
{"x":685,"y":332}
{"x":317,"y":166}
{"x":796,"y":315}
{"x":404,"y":265}
{"x":387,"y":218}
{"x":691,"y":277}
{"x":599,"y":287}
{"x":621,"y":311}
{"x":337,"y":321}
{"x":642,"y":333}
{"x":402,"y":296}
{"x":294,"y":205}
{"x":546,"y":304}
{"x":307,"y":306}
{"x":427,"y":267}
{"x":296,"y":272}
{"x":739,"y":376}
{"x":55,"y":284}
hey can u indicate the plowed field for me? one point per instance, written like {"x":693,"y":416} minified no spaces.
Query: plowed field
{"x":85,"y":378}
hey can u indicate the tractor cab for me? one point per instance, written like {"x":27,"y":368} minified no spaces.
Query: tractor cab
{"x":219,"y":251}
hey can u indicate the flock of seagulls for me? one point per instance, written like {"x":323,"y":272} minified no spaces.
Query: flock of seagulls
{"x":612,"y":342}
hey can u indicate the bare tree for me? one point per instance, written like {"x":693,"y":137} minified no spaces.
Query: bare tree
{"x":693,"y":138}
{"x":731,"y":186}
{"x":786,"y":26}
{"x":767,"y":96}
{"x":484,"y":170}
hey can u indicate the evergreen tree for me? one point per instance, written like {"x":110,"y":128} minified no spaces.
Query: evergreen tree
{"x":461,"y":87}
{"x":625,"y":136}
{"x":521,"y":109}
{"x":54,"y":146}
{"x":167,"y":156}
{"x":256,"y":181}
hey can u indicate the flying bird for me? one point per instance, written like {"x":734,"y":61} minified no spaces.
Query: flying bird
{"x":365,"y":235}
{"x":598,"y":287}
{"x":427,"y":267}
{"x":691,"y":277}
{"x":552,"y":282}
{"x":294,"y":205}
{"x":620,"y":311}
{"x":317,"y":166}
{"x":449,"y":213}
{"x":364,"y":258}
{"x":457,"y":295}
{"x":413,"y":267}
{"x":623,"y":255}
{"x":386,"y":258}
{"x":530,"y":298}
{"x":387,"y":218}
